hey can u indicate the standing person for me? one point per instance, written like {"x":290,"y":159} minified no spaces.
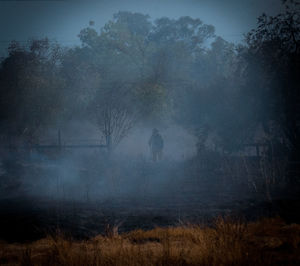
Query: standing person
{"x":156,"y":144}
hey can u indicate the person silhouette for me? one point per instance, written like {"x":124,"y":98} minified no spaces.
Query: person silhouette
{"x":156,"y":144}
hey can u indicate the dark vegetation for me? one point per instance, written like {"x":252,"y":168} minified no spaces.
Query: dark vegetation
{"x":241,"y":103}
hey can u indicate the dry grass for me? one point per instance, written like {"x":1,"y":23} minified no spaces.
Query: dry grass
{"x":267,"y":242}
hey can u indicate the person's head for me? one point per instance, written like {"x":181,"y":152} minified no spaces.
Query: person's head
{"x":155,"y":131}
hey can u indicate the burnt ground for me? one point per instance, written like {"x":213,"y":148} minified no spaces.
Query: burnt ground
{"x":184,"y":198}
{"x":27,"y":219}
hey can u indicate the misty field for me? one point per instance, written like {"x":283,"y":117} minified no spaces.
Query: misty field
{"x":135,"y":212}
{"x":227,"y":242}
{"x":152,"y":141}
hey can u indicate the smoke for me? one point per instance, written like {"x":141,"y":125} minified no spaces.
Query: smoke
{"x":207,"y":101}
{"x":85,"y":174}
{"x":179,"y":144}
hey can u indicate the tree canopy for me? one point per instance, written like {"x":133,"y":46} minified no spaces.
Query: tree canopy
{"x":136,"y":70}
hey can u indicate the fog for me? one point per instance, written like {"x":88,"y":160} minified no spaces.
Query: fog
{"x":85,"y":174}
{"x":151,"y":112}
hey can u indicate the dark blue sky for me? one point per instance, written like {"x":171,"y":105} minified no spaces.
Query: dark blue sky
{"x":62,"y":20}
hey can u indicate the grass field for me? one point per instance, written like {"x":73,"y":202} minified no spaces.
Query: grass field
{"x":226,"y":242}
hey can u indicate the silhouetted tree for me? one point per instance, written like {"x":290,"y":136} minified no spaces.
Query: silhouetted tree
{"x":30,"y":88}
{"x":114,"y":113}
{"x":273,"y":53}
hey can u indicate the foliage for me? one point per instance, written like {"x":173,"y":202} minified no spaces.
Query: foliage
{"x":274,"y":48}
{"x":149,"y":59}
{"x":151,"y":72}
{"x":30,"y":89}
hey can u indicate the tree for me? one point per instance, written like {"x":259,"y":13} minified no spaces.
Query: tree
{"x":214,"y":106}
{"x":155,"y":58}
{"x":165,"y":68}
{"x":114,"y":113}
{"x":30,"y":90}
{"x":274,"y":47}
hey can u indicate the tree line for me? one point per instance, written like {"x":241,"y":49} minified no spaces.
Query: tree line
{"x":136,"y":70}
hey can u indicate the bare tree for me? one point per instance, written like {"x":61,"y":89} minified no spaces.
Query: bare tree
{"x":115,"y":115}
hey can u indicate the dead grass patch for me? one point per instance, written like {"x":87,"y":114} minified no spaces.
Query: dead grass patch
{"x":227,"y":242}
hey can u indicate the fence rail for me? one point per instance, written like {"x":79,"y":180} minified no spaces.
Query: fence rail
{"x":58,"y":144}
